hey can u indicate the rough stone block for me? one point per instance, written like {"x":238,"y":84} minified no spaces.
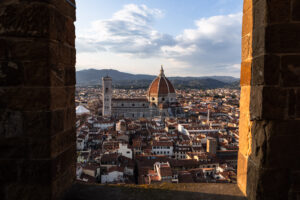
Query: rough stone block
{"x":37,"y":123}
{"x":271,"y":180}
{"x":259,"y":41}
{"x":259,"y":14}
{"x":65,"y":29}
{"x":282,"y":127}
{"x":62,"y":141}
{"x":273,"y":144}
{"x":11,"y":124}
{"x":278,"y":11}
{"x":22,"y":50}
{"x":37,"y":20}
{"x":37,"y":73}
{"x":8,"y":69}
{"x":57,"y":121}
{"x":247,"y":22}
{"x":9,"y":171}
{"x":256,"y":95}
{"x":244,"y":132}
{"x":284,"y":157}
{"x":62,"y":54}
{"x":65,"y":8}
{"x":245,"y":73}
{"x":70,"y":118}
{"x":252,"y":180}
{"x":274,"y":103}
{"x":259,"y":143}
{"x":28,"y":192}
{"x":242,"y":172}
{"x":283,"y":38}
{"x":298,"y":103}
{"x":14,"y":148}
{"x":290,"y":70}
{"x":39,"y":148}
{"x":63,"y":161}
{"x":57,"y":75}
{"x":70,"y":96}
{"x":61,"y":184}
{"x":247,"y":47}
{"x":70,"y":76}
{"x":62,"y":6}
{"x":247,"y":5}
{"x":58,"y":97}
{"x":296,"y":10}
{"x":35,"y":172}
{"x":268,"y":103}
{"x":26,"y":99}
{"x":24,"y":20}
{"x":265,"y":70}
{"x":291,"y":103}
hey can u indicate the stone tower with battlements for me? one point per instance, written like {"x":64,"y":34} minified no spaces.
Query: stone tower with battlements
{"x":106,"y":96}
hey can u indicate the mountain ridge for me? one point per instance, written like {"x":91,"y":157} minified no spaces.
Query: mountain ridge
{"x":92,"y":77}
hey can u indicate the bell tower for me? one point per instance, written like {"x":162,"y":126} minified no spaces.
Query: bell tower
{"x":106,"y":96}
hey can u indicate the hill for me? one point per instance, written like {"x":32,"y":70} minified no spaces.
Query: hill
{"x":91,"y":77}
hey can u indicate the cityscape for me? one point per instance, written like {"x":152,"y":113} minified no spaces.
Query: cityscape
{"x":156,"y":135}
{"x":146,"y":100}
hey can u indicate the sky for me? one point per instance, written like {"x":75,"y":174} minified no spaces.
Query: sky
{"x":187,"y":37}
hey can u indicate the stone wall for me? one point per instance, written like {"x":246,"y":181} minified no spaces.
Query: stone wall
{"x":269,"y":166}
{"x":37,"y":110}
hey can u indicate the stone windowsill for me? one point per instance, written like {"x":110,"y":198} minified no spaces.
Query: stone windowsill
{"x":186,"y":191}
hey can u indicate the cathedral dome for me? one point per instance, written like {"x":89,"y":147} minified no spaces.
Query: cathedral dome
{"x":161,"y":86}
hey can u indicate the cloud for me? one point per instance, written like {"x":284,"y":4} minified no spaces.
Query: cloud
{"x":128,"y":31}
{"x":213,"y":46}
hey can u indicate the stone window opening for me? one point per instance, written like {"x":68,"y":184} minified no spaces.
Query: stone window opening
{"x":269,"y":97}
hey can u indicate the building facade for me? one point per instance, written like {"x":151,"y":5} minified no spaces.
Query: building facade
{"x":160,"y":101}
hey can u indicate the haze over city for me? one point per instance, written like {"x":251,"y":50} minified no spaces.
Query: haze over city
{"x":199,"y":38}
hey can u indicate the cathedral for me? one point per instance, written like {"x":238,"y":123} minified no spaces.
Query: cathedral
{"x":159,"y":101}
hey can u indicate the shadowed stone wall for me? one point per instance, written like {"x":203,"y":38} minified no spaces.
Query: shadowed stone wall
{"x":269,"y":155}
{"x":37,"y":108}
